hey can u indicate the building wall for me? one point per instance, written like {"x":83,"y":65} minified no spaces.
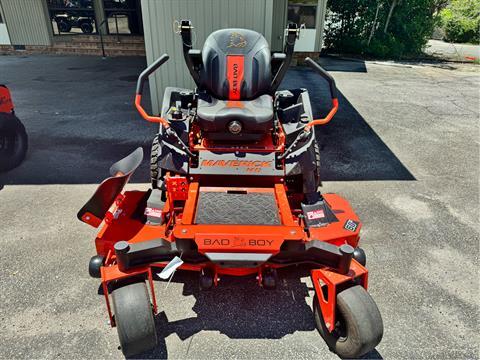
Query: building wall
{"x":321,"y":14}
{"x":279,"y":22}
{"x":27,"y":22}
{"x":207,"y":16}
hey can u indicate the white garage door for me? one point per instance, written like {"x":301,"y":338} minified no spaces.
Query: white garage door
{"x":4,"y":38}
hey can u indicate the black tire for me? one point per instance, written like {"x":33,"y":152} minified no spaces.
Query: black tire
{"x":154,"y":170}
{"x":86,"y":27}
{"x":64,"y":25}
{"x":134,"y":318}
{"x":360,"y":256}
{"x":94,"y":266}
{"x":269,"y":279}
{"x":13,"y":142}
{"x":359,"y":326}
{"x":206,"y":279}
{"x":318,"y":180}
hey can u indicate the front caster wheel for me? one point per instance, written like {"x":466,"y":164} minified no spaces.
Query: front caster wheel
{"x":359,"y":325}
{"x":134,"y":318}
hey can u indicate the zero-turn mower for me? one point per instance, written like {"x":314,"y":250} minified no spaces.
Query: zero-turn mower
{"x":235,"y":172}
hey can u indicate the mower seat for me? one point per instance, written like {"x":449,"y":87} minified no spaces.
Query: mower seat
{"x":255,"y":116}
{"x":235,"y":85}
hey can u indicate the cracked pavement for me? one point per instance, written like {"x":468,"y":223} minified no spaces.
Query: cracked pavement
{"x":403,"y":149}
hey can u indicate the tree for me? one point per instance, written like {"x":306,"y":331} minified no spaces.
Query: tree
{"x":406,"y":24}
{"x":439,"y":5}
{"x":461,"y":21}
{"x":390,"y":12}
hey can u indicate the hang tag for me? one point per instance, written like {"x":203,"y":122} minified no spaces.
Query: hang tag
{"x":170,"y":268}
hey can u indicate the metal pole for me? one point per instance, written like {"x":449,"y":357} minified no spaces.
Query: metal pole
{"x":116,"y":25}
{"x":101,"y":38}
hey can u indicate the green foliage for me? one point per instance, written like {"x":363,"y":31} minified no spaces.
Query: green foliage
{"x":355,"y":26}
{"x":461,"y":21}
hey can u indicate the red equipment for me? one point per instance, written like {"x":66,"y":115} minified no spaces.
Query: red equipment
{"x":13,"y":137}
{"x":235,"y":176}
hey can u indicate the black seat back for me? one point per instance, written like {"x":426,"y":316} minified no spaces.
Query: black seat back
{"x":236,"y":65}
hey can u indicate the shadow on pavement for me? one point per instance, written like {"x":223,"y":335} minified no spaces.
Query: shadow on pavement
{"x":333,"y":63}
{"x":79,"y":115}
{"x":350,"y":149}
{"x":240,"y":309}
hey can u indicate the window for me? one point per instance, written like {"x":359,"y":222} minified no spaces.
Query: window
{"x":303,"y":12}
{"x":72,"y":16}
{"x":123,"y":17}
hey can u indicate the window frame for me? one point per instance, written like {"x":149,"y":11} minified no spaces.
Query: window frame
{"x":54,"y":10}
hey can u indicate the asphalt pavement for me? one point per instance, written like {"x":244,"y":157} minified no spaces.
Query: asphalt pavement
{"x":453,"y":51}
{"x":403,"y":149}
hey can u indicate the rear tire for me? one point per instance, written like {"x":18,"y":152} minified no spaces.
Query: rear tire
{"x":13,"y":142}
{"x":359,"y":326}
{"x":154,"y":170}
{"x":64,"y":25}
{"x":134,"y":318}
{"x":318,"y":180}
{"x":86,"y":27}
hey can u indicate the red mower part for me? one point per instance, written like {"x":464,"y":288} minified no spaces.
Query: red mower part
{"x":6,"y":102}
{"x":327,"y":285}
{"x":13,"y":141}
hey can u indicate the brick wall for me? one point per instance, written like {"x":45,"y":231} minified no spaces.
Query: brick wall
{"x":83,"y":45}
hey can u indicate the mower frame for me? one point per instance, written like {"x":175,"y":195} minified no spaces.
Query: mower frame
{"x":144,"y":232}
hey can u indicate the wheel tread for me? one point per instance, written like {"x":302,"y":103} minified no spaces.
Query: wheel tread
{"x":134,"y":318}
{"x":364,"y":323}
{"x":154,"y":162}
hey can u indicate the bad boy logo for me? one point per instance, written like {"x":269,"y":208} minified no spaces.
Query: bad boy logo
{"x":237,"y":41}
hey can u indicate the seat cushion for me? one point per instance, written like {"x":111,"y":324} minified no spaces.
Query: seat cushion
{"x":214,"y":115}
